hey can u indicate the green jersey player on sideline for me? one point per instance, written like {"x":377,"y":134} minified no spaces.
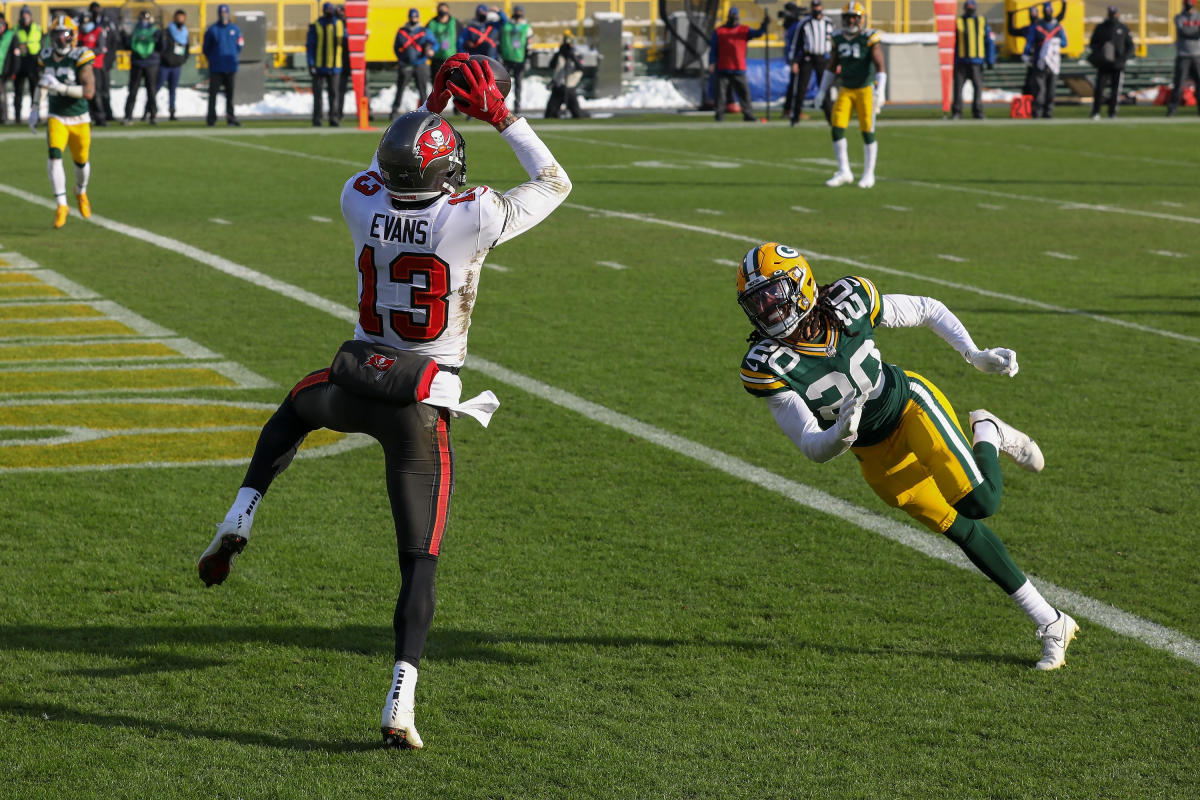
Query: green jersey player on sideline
{"x":855,"y":51}
{"x":813,"y":358}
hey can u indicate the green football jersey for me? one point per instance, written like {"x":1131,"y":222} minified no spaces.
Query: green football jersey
{"x":843,"y":364}
{"x":854,"y":56}
{"x":66,"y":69}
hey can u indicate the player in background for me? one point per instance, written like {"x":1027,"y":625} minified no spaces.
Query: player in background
{"x":68,"y":79}
{"x":855,"y":50}
{"x":419,"y":244}
{"x":813,"y":357}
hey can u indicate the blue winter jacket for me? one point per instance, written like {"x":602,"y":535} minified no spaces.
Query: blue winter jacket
{"x":222,"y":44}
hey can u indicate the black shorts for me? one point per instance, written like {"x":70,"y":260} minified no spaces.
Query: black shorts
{"x":418,"y":457}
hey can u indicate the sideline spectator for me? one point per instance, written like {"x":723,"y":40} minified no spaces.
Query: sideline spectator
{"x":566,"y":71}
{"x":145,"y":44}
{"x":790,"y":16}
{"x":111,"y":39}
{"x":413,"y":46}
{"x":727,"y":61}
{"x":809,"y":55}
{"x":344,"y":77}
{"x":175,"y":51}
{"x":1044,"y":40}
{"x":514,"y":43}
{"x":27,"y":44}
{"x":324,"y":48}
{"x":222,"y":43}
{"x":481,"y":36}
{"x":974,"y":48}
{"x":94,"y":37}
{"x":444,"y":30}
{"x":7,"y":37}
{"x":1187,"y":54}
{"x":1111,"y":46}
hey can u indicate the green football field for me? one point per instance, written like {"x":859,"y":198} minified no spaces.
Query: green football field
{"x":645,"y":591}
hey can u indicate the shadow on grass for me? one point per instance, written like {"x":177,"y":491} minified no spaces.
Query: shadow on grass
{"x":157,"y":728}
{"x":155,"y":648}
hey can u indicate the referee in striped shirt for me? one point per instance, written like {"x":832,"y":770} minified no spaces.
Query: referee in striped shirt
{"x":808,"y":53}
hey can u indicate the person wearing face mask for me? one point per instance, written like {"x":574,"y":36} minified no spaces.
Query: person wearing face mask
{"x":727,"y":61}
{"x":1044,"y":40}
{"x":110,"y":39}
{"x":145,"y":45}
{"x":974,"y":48}
{"x":481,"y":36}
{"x":1187,"y":53}
{"x":95,"y":38}
{"x":514,"y":42}
{"x":175,"y":51}
{"x":27,"y":44}
{"x":808,"y":54}
{"x":566,"y":71}
{"x":324,"y":48}
{"x":444,"y":30}
{"x":222,"y":43}
{"x":413,"y":46}
{"x":1111,"y":46}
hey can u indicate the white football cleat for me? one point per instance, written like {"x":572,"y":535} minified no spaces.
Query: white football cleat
{"x":1018,"y":446}
{"x":399,"y":725}
{"x":840,"y":179}
{"x":232,"y":537}
{"x":1056,"y":637}
{"x":866,"y":182}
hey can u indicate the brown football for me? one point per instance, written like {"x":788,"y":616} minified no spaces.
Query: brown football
{"x":503,"y":81}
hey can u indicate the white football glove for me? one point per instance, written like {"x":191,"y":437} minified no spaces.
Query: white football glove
{"x":997,"y":360}
{"x":849,"y":415}
{"x":879,"y":96}
{"x":33,"y":118}
{"x":51,"y":83}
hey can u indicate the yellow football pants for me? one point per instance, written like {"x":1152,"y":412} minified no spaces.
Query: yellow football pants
{"x":926,"y":465}
{"x":862,"y":101}
{"x":78,"y":138}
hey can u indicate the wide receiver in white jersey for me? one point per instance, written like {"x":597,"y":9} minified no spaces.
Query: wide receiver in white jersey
{"x":419,"y":245}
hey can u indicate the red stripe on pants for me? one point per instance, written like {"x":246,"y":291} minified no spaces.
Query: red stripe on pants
{"x":443,"y":482}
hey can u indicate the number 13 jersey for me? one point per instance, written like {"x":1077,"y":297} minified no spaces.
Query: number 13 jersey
{"x":843,"y":364}
{"x":418,"y":269}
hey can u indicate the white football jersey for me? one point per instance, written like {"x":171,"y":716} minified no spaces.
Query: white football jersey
{"x":418,"y":269}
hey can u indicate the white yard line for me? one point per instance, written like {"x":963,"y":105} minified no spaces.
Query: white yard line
{"x":812,"y":254}
{"x":358,"y":165}
{"x":1062,"y":256}
{"x":948,"y":257}
{"x":990,"y":206}
{"x":714,"y":212}
{"x":897,"y":208}
{"x":1167,"y":253}
{"x":497,"y":267}
{"x":612,"y":265}
{"x":315,"y":218}
{"x":1122,"y":622}
{"x":10,"y":262}
{"x":1170,"y":204}
{"x":219,"y":221}
{"x":725,"y":262}
{"x":804,"y":210}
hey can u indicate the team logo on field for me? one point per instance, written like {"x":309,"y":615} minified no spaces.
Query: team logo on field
{"x":380,"y":362}
{"x":436,"y":143}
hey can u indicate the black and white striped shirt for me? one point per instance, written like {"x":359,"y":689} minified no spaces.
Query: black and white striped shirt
{"x":812,"y":37}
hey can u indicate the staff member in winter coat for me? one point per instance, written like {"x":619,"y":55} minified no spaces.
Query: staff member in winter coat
{"x":1044,"y":40}
{"x":94,"y":37}
{"x":1187,"y":53}
{"x":1111,"y":45}
{"x":444,"y":29}
{"x":7,"y":37}
{"x":727,"y":61}
{"x":413,"y":46}
{"x":974,"y":48}
{"x":111,"y":38}
{"x":514,"y":43}
{"x":566,"y":69}
{"x":144,"y":43}
{"x":175,"y":50}
{"x":324,"y":48}
{"x":26,"y":46}
{"x":481,"y":37}
{"x":222,"y":43}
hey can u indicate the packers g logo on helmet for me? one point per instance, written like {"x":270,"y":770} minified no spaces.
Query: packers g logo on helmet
{"x":62,"y":34}
{"x":776,"y":288}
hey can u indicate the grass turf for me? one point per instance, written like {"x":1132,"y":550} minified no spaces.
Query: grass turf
{"x":615,"y":619}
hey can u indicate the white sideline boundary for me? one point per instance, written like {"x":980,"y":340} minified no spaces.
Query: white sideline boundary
{"x":1114,"y":619}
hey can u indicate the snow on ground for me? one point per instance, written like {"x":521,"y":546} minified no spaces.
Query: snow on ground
{"x":640,"y":93}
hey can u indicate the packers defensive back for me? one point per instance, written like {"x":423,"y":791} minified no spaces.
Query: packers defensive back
{"x":68,"y":79}
{"x":854,"y":55}
{"x":813,"y":357}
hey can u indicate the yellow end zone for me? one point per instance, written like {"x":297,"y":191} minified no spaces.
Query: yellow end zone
{"x":34,"y":311}
{"x":83,"y":328}
{"x":89,"y":351}
{"x":50,"y":381}
{"x":14,"y":290}
{"x":99,"y":434}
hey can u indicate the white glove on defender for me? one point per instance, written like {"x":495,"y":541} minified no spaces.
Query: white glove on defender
{"x":849,"y":415}
{"x":33,"y":117}
{"x":879,"y":95}
{"x":997,"y":360}
{"x":50,"y":82}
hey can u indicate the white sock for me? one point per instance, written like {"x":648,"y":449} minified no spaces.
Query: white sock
{"x":402,"y":695}
{"x":243,"y":509}
{"x":58,"y":180}
{"x":986,"y":431}
{"x":842,"y":156}
{"x":1033,"y":604}
{"x":81,"y":177}
{"x":870,"y":149}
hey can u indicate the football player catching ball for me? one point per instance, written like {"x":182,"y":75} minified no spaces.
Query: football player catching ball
{"x":420,"y":240}
{"x":813,"y":357}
